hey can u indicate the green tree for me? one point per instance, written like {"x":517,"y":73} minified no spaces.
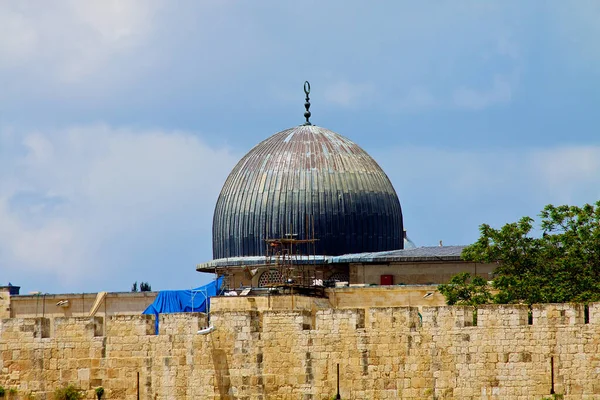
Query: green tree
{"x":145,"y":287}
{"x":561,"y":265}
{"x":134,"y":287}
{"x":467,"y":290}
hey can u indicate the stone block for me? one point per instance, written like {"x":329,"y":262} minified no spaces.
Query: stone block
{"x":502,"y":315}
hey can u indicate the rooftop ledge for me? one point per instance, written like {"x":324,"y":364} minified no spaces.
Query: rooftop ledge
{"x":418,"y":254}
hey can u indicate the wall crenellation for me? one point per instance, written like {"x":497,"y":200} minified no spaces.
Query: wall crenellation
{"x":384,"y":353}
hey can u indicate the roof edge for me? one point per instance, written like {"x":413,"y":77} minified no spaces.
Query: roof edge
{"x":419,"y":254}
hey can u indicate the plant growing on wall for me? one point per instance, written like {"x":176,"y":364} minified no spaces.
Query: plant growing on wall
{"x":561,"y":265}
{"x":2,"y":391}
{"x":99,"y":392}
{"x":69,"y":392}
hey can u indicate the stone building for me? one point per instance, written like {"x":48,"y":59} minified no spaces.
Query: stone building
{"x":309,"y":205}
{"x":303,"y":208}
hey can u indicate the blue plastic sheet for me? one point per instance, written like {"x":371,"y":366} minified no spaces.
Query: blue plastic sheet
{"x":190,"y":300}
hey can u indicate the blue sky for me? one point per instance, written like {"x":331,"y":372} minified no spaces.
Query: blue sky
{"x":120,"y":120}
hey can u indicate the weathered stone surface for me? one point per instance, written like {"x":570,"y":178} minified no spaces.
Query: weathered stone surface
{"x":383,"y":353}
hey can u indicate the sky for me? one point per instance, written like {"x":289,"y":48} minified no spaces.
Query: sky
{"x":121,"y":119}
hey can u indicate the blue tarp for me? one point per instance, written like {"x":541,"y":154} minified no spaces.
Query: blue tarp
{"x":191,"y":300}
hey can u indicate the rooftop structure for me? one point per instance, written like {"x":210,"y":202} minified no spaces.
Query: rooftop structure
{"x":308,"y":207}
{"x":412,"y":255}
{"x":310,"y":184}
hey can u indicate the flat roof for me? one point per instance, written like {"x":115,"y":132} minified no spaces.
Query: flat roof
{"x":258,"y":260}
{"x":430,"y":253}
{"x":427,"y":253}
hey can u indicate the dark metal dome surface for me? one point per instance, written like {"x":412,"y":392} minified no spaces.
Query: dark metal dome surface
{"x":303,"y":178}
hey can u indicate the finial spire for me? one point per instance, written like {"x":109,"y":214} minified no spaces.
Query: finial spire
{"x":307,"y":103}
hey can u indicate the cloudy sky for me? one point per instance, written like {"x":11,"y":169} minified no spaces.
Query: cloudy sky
{"x":120,"y":119}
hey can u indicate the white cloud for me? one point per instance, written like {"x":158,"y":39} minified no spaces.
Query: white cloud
{"x":507,"y":47}
{"x":419,"y":98}
{"x":459,"y":94}
{"x":347,"y":94}
{"x":18,"y":37}
{"x":416,"y":98}
{"x":555,"y":174}
{"x":447,"y":193}
{"x":500,"y":92}
{"x":502,"y":87}
{"x":577,"y":28}
{"x":71,"y":39}
{"x":67,"y":196}
{"x":568,"y":171}
{"x":70,"y":192}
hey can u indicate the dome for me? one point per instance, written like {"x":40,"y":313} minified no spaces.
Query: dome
{"x":408,"y":244}
{"x":303,"y":181}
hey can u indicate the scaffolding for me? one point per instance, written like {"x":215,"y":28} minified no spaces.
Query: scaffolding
{"x":294,"y":266}
{"x":294,"y":259}
{"x":290,"y":263}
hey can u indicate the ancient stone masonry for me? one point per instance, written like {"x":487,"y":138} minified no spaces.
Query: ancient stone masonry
{"x":501,"y":352}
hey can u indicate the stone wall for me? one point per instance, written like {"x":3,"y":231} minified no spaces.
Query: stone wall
{"x":403,"y":272}
{"x":79,"y":304}
{"x":383,"y":353}
{"x":417,"y":273}
{"x":385,"y":296}
{"x":342,"y":297}
{"x":4,"y":302}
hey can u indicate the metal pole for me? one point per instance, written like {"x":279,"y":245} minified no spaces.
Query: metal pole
{"x":138,"y":385}
{"x":205,"y":294}
{"x":338,"y":397}
{"x":552,"y":374}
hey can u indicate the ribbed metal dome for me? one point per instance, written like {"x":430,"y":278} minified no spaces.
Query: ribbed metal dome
{"x":307,"y":174}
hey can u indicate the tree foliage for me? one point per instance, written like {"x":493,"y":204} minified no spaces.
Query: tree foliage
{"x":561,"y":265}
{"x":144,"y":287}
{"x":467,"y":290}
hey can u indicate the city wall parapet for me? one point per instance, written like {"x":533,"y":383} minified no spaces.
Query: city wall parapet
{"x":497,"y":352}
{"x":72,"y":304}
